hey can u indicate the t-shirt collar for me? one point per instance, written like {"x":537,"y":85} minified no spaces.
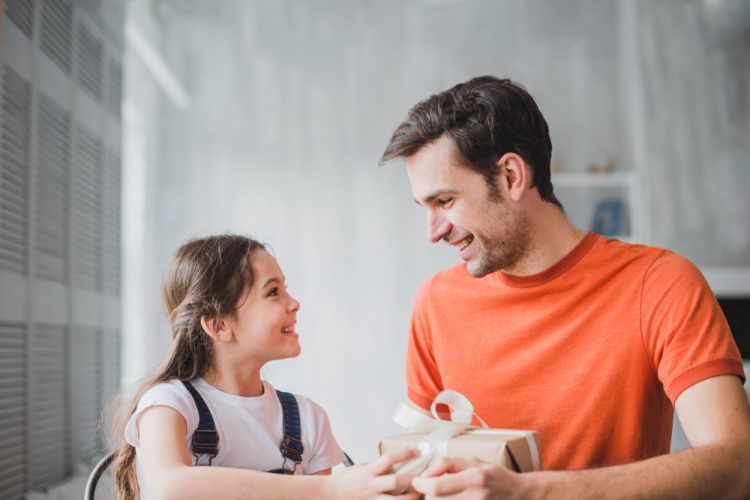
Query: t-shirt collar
{"x":560,"y":267}
{"x":234,"y":400}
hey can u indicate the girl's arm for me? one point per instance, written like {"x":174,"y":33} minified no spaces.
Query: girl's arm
{"x":169,"y":474}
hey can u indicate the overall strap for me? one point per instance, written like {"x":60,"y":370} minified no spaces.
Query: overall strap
{"x":291,"y":445}
{"x":205,"y":437}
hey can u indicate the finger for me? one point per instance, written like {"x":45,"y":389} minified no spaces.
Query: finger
{"x":392,"y":482}
{"x":414,"y":495}
{"x":450,"y":465}
{"x":473,"y":477}
{"x":387,"y":461}
{"x":471,"y":494}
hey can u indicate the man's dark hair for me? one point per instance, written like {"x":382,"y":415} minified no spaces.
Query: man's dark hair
{"x":485,"y":118}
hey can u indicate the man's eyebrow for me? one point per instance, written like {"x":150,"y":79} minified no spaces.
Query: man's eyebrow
{"x":434,"y":195}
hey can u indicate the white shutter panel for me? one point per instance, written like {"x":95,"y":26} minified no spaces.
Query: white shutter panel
{"x":114,"y":87}
{"x":13,"y":401}
{"x":14,"y":179}
{"x":21,"y":12}
{"x":53,"y":198}
{"x":56,"y":32}
{"x":59,"y":235}
{"x":87,"y":211}
{"x":112,"y":219}
{"x":85,"y":391}
{"x":89,"y":60}
{"x":50,"y":440}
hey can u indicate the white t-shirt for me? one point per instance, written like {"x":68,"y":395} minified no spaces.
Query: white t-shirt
{"x":250,"y":429}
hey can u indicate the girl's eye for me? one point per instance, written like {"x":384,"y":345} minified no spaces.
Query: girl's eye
{"x":273,"y":293}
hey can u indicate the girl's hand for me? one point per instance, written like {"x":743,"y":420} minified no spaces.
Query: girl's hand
{"x":367,"y":482}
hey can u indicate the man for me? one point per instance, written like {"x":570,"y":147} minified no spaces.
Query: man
{"x":592,"y":342}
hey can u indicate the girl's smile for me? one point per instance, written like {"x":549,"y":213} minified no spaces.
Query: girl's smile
{"x":289,"y":330}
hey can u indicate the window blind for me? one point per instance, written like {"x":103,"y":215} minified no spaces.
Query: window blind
{"x":60,"y":97}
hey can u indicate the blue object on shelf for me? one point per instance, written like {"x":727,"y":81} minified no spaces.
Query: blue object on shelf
{"x":607,"y":217}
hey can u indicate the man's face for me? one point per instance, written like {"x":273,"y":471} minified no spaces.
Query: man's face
{"x":488,"y":233}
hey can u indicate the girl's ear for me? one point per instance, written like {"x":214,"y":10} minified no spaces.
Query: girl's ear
{"x":216,"y":328}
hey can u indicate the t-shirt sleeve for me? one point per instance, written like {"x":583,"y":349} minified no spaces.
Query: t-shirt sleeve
{"x":324,"y":451}
{"x":166,"y":394}
{"x":684,"y":330}
{"x":422,"y":375}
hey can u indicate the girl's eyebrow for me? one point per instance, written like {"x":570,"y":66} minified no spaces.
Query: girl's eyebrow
{"x":271,"y":280}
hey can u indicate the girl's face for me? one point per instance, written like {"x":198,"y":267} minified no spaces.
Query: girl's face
{"x":264,"y":321}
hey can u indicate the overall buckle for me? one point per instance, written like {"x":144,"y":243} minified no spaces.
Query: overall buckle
{"x":292,"y":452}
{"x":205,"y":442}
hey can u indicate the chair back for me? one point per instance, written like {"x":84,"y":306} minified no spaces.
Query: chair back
{"x":96,"y":474}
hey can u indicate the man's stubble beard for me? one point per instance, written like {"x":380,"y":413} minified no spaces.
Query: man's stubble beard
{"x":506,"y":246}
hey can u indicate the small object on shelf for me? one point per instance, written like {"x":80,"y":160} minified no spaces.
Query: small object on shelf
{"x":607,"y":217}
{"x":605,"y":168}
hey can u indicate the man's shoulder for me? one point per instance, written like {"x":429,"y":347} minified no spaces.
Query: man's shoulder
{"x":645,"y":266}
{"x":612,"y":246}
{"x":609,"y":252}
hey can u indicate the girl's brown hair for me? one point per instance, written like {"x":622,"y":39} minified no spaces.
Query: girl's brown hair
{"x":206,"y":277}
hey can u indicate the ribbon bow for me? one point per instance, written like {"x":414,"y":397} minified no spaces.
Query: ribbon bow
{"x":435,"y":444}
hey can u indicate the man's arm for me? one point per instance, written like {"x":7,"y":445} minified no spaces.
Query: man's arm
{"x":715,"y":415}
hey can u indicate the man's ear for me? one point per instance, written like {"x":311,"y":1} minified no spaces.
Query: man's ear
{"x":513,"y":175}
{"x":216,"y":328}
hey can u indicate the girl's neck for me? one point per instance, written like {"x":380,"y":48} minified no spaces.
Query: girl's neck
{"x":245,"y":382}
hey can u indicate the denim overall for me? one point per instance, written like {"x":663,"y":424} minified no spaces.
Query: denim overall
{"x":206,"y":439}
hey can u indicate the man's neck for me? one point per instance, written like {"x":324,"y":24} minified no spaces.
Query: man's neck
{"x":551,"y":237}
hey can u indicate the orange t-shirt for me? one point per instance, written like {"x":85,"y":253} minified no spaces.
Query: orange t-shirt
{"x":589,"y":352}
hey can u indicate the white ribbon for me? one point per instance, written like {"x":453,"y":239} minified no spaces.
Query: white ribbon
{"x":435,"y":444}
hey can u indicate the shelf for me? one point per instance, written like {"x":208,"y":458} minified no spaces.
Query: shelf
{"x":577,"y":179}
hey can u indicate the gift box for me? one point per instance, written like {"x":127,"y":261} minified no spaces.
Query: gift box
{"x":495,"y":446}
{"x":517,"y":450}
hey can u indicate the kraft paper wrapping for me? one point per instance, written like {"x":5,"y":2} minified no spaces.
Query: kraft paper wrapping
{"x":491,"y":445}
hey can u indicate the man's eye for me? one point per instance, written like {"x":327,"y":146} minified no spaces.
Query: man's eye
{"x":445,"y":202}
{"x":274,"y":292}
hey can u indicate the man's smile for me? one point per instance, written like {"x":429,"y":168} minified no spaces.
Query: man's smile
{"x":465,"y":242}
{"x":464,"y":245}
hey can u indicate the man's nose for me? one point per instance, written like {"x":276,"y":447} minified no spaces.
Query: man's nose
{"x":437,"y":227}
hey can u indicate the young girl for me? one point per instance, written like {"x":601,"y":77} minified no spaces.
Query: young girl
{"x":205,"y":425}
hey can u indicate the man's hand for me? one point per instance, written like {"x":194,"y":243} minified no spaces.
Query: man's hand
{"x":470,"y":479}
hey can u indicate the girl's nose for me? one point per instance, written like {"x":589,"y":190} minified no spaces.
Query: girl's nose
{"x":293,"y":304}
